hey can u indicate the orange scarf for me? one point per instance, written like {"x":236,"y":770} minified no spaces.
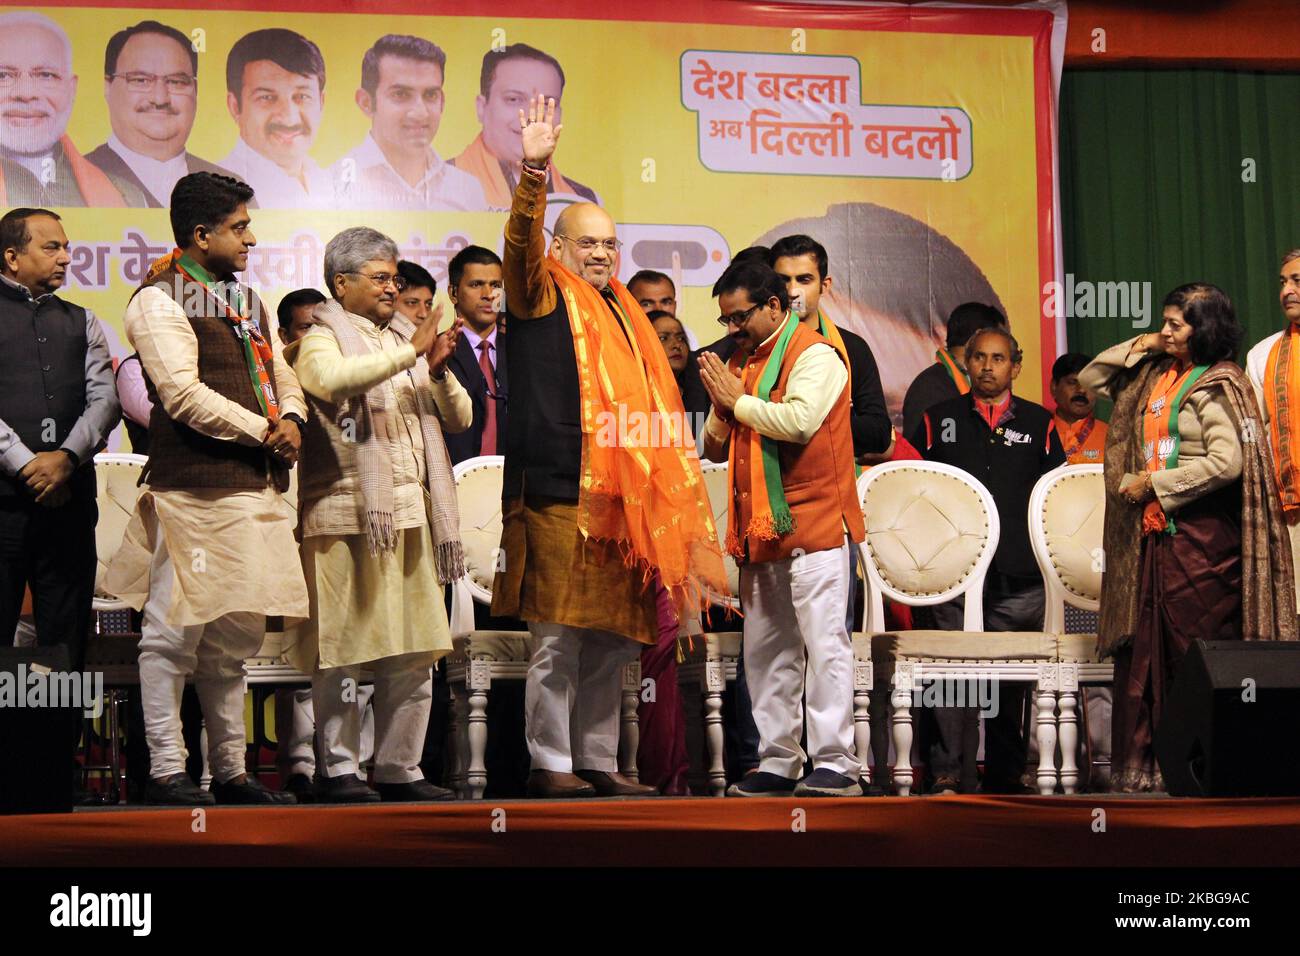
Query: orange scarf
{"x":1281,"y":393}
{"x":959,"y":377}
{"x":641,"y":484}
{"x":479,"y":162}
{"x":96,"y":189}
{"x":1084,"y":436}
{"x":1160,"y":433}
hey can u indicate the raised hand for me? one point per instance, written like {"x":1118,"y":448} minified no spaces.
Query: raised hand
{"x":444,"y":347}
{"x":540,"y":134}
{"x":426,"y":332}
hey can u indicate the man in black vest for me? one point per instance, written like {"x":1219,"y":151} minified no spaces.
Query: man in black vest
{"x":476,"y":287}
{"x":1007,"y":444}
{"x":58,"y":404}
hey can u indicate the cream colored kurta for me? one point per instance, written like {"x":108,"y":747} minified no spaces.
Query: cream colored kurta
{"x":1256,"y":365}
{"x":230,"y":550}
{"x":367,"y":607}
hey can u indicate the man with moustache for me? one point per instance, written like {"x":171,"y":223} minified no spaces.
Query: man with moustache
{"x":151,"y":85}
{"x":1083,"y":436}
{"x":781,"y":410}
{"x":947,"y":377}
{"x":396,"y":167}
{"x":275,"y":91}
{"x":57,"y":407}
{"x":607,"y":537}
{"x":39,"y":165}
{"x":509,"y":80}
{"x":209,"y":553}
{"x":1006,"y":443}
{"x":1272,"y":366}
{"x":477,"y":290}
{"x":653,"y":291}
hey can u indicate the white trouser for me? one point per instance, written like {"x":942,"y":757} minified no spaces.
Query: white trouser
{"x":573,"y":696}
{"x":797,"y":648}
{"x":213,"y":654}
{"x":403,"y":694}
{"x":296,"y":752}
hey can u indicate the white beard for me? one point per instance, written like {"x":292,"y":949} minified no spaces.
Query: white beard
{"x":35,"y":140}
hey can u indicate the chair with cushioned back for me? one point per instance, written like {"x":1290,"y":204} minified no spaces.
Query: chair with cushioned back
{"x":114,"y":650}
{"x":932,"y":531}
{"x":1066,"y":517}
{"x":708,"y":660}
{"x":481,"y":656}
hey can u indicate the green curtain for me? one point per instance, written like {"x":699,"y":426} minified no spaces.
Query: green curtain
{"x":1152,"y":188}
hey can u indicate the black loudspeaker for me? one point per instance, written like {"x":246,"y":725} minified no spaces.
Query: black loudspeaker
{"x":1232,"y":713}
{"x":36,"y":745}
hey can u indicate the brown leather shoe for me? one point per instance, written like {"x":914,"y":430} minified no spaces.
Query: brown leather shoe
{"x":554,"y":785}
{"x":615,"y":785}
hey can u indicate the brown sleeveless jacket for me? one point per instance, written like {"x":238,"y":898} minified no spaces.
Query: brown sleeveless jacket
{"x":179,"y":457}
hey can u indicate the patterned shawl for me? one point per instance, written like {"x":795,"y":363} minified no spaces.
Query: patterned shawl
{"x":1267,"y":575}
{"x":369,"y":412}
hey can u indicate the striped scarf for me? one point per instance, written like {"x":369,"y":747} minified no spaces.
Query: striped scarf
{"x":369,"y":412}
{"x":770,"y":516}
{"x":1281,"y":397}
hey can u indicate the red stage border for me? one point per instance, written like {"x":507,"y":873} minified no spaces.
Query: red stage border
{"x":910,"y":831}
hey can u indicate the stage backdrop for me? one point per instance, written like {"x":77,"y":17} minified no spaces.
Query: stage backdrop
{"x":917,"y":143}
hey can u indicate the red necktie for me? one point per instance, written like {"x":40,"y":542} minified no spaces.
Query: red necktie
{"x":489,"y":445}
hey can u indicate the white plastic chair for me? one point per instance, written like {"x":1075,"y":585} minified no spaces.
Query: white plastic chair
{"x":932,"y":531}
{"x":1066,"y":518}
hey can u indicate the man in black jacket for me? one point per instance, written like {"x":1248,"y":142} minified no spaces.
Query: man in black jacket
{"x":58,"y":404}
{"x":947,"y":377}
{"x":802,"y":262}
{"x":474,"y":283}
{"x":1007,"y":444}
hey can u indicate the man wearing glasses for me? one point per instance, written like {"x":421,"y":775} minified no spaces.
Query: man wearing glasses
{"x":607,"y":535}
{"x":39,"y":166}
{"x":151,"y":85}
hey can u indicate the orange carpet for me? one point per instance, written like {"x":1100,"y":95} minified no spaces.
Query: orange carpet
{"x":948,"y":831}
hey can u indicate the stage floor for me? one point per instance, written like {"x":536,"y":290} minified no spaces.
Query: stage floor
{"x":1087,"y":830}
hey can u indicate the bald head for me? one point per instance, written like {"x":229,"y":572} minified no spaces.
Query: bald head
{"x":586,"y":224}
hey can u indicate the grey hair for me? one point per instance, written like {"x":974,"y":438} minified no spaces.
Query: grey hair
{"x":353,"y":248}
{"x":1293,"y":254}
{"x":1017,"y":356}
{"x":27,"y":18}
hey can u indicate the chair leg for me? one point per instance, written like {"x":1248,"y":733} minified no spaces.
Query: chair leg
{"x":1045,"y":694}
{"x":713,"y":727}
{"x":862,"y":682}
{"x":1067,"y":697}
{"x":629,"y":740}
{"x":862,"y":730}
{"x":460,"y":740}
{"x":901,"y":698}
{"x":477,"y":731}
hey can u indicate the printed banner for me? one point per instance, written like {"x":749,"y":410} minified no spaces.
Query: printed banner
{"x":916,"y":143}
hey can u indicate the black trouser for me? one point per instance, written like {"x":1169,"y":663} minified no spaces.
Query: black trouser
{"x":52,"y":551}
{"x":950,"y":734}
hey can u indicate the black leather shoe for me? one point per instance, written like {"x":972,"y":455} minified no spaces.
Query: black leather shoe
{"x":178,"y":790}
{"x":348,"y":788}
{"x":300,"y":785}
{"x":250,"y":791}
{"x":415,"y":791}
